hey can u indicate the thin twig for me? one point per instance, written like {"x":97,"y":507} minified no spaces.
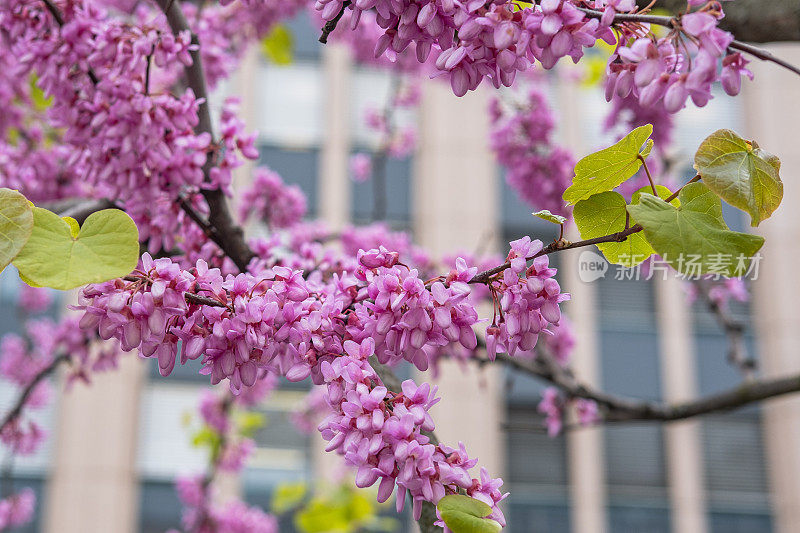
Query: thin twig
{"x":51,"y":7}
{"x":559,"y":246}
{"x":764,"y":55}
{"x":231,"y":237}
{"x":16,"y":411}
{"x":673,"y":22}
{"x":331,"y":24}
{"x":734,"y":331}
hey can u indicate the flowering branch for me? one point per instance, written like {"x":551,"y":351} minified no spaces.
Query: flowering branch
{"x":392,"y":382}
{"x":558,"y":246}
{"x":734,"y":331}
{"x":230,"y":235}
{"x":671,"y":22}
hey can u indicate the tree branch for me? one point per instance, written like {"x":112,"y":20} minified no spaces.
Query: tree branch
{"x":672,"y":22}
{"x":624,"y":409}
{"x":330,"y":25}
{"x":558,"y":246}
{"x":19,"y":405}
{"x":733,"y":329}
{"x":231,"y":236}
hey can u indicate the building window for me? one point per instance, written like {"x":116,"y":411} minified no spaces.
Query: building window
{"x":733,"y":448}
{"x":25,"y":471}
{"x":537,"y":464}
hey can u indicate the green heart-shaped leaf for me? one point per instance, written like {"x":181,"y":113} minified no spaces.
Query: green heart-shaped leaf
{"x":740,"y":173}
{"x":16,"y":225}
{"x":604,"y":170}
{"x":61,"y":256}
{"x":603,"y":214}
{"x":544,"y":214}
{"x":463,"y":514}
{"x":694,"y":238}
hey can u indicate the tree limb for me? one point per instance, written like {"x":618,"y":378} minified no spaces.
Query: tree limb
{"x":19,"y":405}
{"x":231,"y":236}
{"x":670,"y":22}
{"x":330,"y":25}
{"x":558,"y":246}
{"x":623,"y":409}
{"x":733,"y":329}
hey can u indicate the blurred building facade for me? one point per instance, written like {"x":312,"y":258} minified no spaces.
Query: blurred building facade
{"x":116,"y":447}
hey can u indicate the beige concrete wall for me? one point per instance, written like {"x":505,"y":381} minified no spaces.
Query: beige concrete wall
{"x":94,"y":484}
{"x":772,"y":118}
{"x":334,"y":175}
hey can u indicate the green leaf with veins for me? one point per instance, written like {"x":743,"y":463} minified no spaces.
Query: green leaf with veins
{"x":607,"y":169}
{"x":603,"y":214}
{"x":463,"y":514}
{"x":63,"y":256}
{"x":740,"y":173}
{"x":694,"y":238}
{"x":544,"y":214}
{"x":16,"y":224}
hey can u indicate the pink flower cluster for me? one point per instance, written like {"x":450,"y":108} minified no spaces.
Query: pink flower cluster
{"x":403,"y":316}
{"x":278,"y":320}
{"x":684,"y":64}
{"x":721,"y":291}
{"x":23,"y":359}
{"x":233,"y":517}
{"x":381,"y":434}
{"x":17,"y":509}
{"x":475,"y":40}
{"x":526,"y":300}
{"x":553,"y":405}
{"x":521,"y":139}
{"x":269,"y":199}
{"x":127,"y":141}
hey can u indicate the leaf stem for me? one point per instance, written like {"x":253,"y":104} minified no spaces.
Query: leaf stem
{"x":649,"y":176}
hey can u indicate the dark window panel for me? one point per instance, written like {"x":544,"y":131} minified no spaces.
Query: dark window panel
{"x":734,"y":456}
{"x":516,"y":217}
{"x":534,"y":457}
{"x":159,"y":507}
{"x":714,"y":372}
{"x":398,"y":194}
{"x":637,"y":519}
{"x":737,"y":522}
{"x":297,"y":166}
{"x":625,"y":305}
{"x":17,"y":484}
{"x":635,"y":459}
{"x":630,"y":364}
{"x":524,"y":517}
{"x":305,"y":37}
